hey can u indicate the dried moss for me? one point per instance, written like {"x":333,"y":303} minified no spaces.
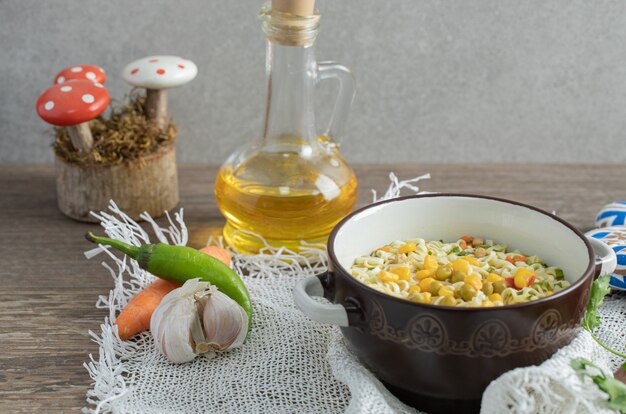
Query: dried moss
{"x":126,"y":135}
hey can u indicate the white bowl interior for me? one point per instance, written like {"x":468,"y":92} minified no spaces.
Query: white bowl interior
{"x":450,"y":217}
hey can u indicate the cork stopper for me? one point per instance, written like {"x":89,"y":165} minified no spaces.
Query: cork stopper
{"x":295,"y":7}
{"x":290,"y":22}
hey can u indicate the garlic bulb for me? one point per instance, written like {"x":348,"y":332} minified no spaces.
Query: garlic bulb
{"x":195,"y":319}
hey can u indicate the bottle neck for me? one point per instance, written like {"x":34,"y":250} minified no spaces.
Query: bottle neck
{"x":289,"y":114}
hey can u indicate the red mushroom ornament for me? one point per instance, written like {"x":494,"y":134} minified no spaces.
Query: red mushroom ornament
{"x":81,"y":72}
{"x":72,"y":105}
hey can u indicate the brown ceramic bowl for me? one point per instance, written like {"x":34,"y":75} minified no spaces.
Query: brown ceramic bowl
{"x":439,"y":358}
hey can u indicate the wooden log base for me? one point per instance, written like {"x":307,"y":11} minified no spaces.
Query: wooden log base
{"x":148,"y":184}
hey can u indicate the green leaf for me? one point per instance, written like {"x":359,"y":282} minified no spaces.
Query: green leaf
{"x":599,"y":289}
{"x":614,"y":388}
{"x":579,"y":365}
{"x":558,"y":274}
{"x":591,"y":320}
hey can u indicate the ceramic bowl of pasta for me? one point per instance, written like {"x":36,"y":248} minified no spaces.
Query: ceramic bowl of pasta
{"x":440,"y":294}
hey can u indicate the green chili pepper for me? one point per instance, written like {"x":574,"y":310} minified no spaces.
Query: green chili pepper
{"x":180,"y":263}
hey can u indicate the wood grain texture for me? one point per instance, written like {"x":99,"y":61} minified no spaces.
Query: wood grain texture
{"x":48,"y":289}
{"x":149,"y":184}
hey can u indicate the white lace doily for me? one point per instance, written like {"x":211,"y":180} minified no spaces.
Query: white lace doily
{"x":290,"y":364}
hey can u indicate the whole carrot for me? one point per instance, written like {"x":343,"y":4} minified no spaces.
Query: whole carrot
{"x":135,"y":317}
{"x":179,"y":264}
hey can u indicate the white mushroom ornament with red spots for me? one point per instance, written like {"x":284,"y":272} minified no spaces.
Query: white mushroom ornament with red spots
{"x":73,"y":105}
{"x":156,"y":74}
{"x":81,"y":72}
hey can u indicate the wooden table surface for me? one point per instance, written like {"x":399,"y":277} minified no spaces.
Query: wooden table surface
{"x":48,"y":289}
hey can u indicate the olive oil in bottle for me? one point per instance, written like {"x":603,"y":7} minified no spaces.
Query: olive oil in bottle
{"x":290,"y":201}
{"x":289,"y":185}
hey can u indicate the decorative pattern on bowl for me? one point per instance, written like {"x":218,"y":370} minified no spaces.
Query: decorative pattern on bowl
{"x":613,"y":214}
{"x":615,"y":237}
{"x":425,"y":332}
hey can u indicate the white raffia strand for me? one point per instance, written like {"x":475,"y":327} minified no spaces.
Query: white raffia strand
{"x":290,"y":364}
{"x":396,"y":186}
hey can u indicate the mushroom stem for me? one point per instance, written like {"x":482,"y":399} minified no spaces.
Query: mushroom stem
{"x":81,"y":137}
{"x":156,"y":107}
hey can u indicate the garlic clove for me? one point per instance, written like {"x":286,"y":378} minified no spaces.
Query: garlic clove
{"x":225,"y":322}
{"x":176,"y":345}
{"x":172,"y":321}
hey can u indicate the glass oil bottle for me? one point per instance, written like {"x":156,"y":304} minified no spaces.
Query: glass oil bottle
{"x":291,"y":184}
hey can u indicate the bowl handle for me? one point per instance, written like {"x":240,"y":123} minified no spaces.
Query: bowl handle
{"x":320,"y":312}
{"x":605,"y":256}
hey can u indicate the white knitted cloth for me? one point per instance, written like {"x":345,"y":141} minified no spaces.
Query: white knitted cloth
{"x":290,"y":364}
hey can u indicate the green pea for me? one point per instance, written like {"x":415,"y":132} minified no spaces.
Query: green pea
{"x":434,"y":287}
{"x":458,"y":276}
{"x":467,"y":292}
{"x":499,"y":287}
{"x":443,"y":272}
{"x":487,"y":288}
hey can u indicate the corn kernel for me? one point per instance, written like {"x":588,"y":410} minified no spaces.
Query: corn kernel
{"x":385,"y":276}
{"x":424,"y":297}
{"x":407,"y":248}
{"x":461,"y":265}
{"x":414,"y":288}
{"x":404,"y":273}
{"x":446,"y":291}
{"x":525,"y":271}
{"x":495,"y":297}
{"x":471,"y":260}
{"x":522,"y":277}
{"x":422,"y":274}
{"x":474,"y":281}
{"x":430,"y":262}
{"x":448,"y":301}
{"x":487,"y":304}
{"x":494,"y":277}
{"x":425,"y":283}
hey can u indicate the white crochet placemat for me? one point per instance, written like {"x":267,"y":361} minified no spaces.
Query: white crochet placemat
{"x":290,"y":364}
